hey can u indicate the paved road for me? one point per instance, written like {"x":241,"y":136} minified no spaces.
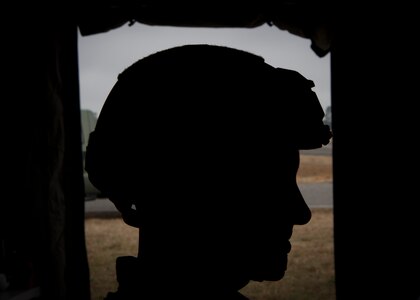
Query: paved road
{"x":100,"y":207}
{"x":317,"y":195}
{"x":325,"y":150}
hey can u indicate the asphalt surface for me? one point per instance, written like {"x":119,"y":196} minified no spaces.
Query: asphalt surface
{"x":101,"y":207}
{"x":325,"y":150}
{"x":316,"y":195}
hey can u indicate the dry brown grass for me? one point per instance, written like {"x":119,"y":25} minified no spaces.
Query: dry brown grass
{"x":310,"y":272}
{"x":106,"y":239}
{"x":315,"y":168}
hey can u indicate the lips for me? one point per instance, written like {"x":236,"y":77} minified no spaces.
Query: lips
{"x":271,"y":270}
{"x":288,"y":246}
{"x":271,"y":262}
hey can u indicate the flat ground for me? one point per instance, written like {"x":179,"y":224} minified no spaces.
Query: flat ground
{"x":310,"y":272}
{"x":315,"y":168}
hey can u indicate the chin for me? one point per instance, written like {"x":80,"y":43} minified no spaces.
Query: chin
{"x":273,"y":269}
{"x":277,"y":276}
{"x":270,"y":275}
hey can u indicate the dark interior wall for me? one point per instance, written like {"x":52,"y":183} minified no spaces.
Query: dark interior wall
{"x":376,"y":216}
{"x":42,"y":214}
{"x":375,"y":124}
{"x":77,"y":278}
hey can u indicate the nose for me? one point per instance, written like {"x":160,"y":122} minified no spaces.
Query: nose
{"x":301,"y":212}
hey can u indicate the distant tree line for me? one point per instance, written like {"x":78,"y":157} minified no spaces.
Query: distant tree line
{"x":327,"y":118}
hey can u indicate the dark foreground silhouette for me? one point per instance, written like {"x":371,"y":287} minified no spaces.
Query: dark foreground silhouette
{"x":198,"y":147}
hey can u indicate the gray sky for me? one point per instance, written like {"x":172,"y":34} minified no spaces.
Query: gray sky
{"x":103,"y":56}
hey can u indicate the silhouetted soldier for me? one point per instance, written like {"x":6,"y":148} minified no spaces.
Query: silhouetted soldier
{"x":198,"y":147}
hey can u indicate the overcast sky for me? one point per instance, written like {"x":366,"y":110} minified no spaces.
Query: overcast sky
{"x":103,"y":56}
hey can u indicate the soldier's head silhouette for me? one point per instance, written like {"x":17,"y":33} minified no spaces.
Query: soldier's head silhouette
{"x":198,"y":146}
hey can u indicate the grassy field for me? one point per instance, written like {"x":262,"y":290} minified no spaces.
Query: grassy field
{"x":310,"y":272}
